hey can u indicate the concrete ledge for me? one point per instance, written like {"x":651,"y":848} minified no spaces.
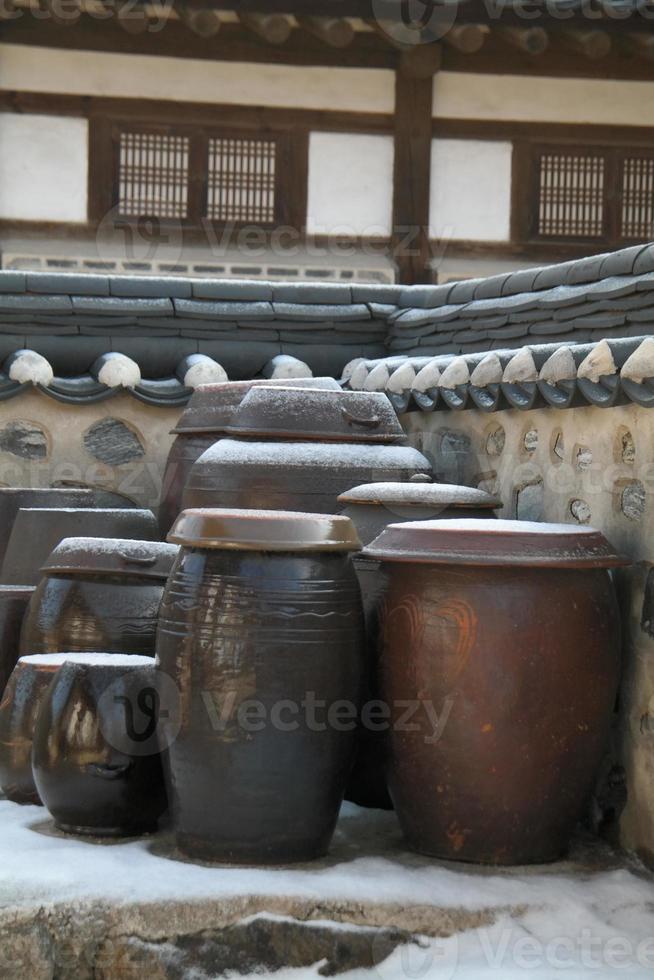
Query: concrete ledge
{"x":80,"y":909}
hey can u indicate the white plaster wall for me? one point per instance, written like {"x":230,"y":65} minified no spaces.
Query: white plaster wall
{"x":470,"y":195}
{"x":350,"y":184}
{"x":43,"y":167}
{"x":34,"y":69}
{"x":460,"y":95}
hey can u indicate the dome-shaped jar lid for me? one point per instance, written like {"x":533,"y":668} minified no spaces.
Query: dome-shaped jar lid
{"x":113,"y":556}
{"x":473,"y":541}
{"x":336,"y":416}
{"x":211,"y":407}
{"x":263,"y":530}
{"x":436,"y":496}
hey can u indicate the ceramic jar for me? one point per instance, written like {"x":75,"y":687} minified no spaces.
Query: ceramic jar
{"x":12,"y":499}
{"x":19,"y":708}
{"x":371,"y":508}
{"x":45,"y":527}
{"x":14,"y":600}
{"x":209,"y":411}
{"x":298,"y":450}
{"x":261,"y":629}
{"x":503,"y":639}
{"x":95,"y":756}
{"x":98,"y":594}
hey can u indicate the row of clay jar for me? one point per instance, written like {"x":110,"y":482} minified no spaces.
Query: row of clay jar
{"x":490,"y":703}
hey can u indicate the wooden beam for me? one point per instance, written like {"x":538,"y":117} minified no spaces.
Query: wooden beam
{"x":467,"y":38}
{"x":411,"y":173}
{"x":594,"y":44}
{"x":334,"y":31}
{"x":199,"y":17}
{"x":272,"y":28}
{"x":421,"y":61}
{"x":531,"y":40}
{"x":641,"y":45}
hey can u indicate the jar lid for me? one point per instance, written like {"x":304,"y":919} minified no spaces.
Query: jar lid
{"x":211,"y":407}
{"x":115,"y":556}
{"x":263,"y":530}
{"x":337,"y":416}
{"x":433,"y":495}
{"x":495,"y":542}
{"x":53,"y":660}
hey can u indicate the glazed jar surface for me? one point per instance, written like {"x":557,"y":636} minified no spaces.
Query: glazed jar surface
{"x":511,"y":675}
{"x":253,"y":639}
{"x":19,"y":709}
{"x":79,"y":613}
{"x":14,"y":600}
{"x":95,"y":756}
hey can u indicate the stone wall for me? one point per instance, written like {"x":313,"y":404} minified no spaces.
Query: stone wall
{"x":120,"y":443}
{"x":589,"y":466}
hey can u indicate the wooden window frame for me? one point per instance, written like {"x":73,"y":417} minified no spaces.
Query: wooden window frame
{"x":291,"y":168}
{"x":525,"y":190}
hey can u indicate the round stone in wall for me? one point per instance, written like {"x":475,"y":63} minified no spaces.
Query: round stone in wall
{"x":495,"y":441}
{"x":530,"y":440}
{"x":628,"y":447}
{"x":25,"y":439}
{"x":530,"y":502}
{"x":580,"y":510}
{"x":583,"y":457}
{"x":632,"y":501}
{"x":112,"y":442}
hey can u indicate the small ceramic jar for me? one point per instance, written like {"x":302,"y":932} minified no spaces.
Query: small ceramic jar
{"x":95,"y":755}
{"x":98,"y":594}
{"x":261,"y":629}
{"x":502,"y":638}
{"x":19,"y":708}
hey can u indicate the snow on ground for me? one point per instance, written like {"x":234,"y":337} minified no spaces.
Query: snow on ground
{"x":574,"y":918}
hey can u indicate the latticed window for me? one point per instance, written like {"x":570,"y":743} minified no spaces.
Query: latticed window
{"x":588,"y":194}
{"x":153,"y":175}
{"x":195,"y":174}
{"x":242,"y":180}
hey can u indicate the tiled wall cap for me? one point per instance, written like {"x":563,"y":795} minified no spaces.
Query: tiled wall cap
{"x":599,"y":363}
{"x":520,"y":368}
{"x":559,"y":366}
{"x":456,"y":373}
{"x":640,"y":364}
{"x":28,"y":367}
{"x":488,"y":371}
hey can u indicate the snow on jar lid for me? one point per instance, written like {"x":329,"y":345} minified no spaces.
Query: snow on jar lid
{"x":419,"y":494}
{"x":263,"y":530}
{"x":495,"y":542}
{"x":53,"y":661}
{"x":113,"y":556}
{"x":211,"y":407}
{"x":336,"y":416}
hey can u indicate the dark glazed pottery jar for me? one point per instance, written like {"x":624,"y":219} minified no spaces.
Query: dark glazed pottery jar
{"x":18,"y":712}
{"x":13,"y":499}
{"x":261,"y":629}
{"x":14,"y":600}
{"x":371,"y":508}
{"x":208,"y":413}
{"x":95,"y":756}
{"x":319,"y":444}
{"x":504,"y":635}
{"x":37,"y":531}
{"x":98,"y":594}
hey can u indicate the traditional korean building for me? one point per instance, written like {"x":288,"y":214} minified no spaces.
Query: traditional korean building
{"x":369,"y":140}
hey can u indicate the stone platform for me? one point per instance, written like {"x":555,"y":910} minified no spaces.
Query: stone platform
{"x":81,"y":909}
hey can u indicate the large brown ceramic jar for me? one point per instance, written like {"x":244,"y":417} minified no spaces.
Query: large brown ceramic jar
{"x":95,"y":756}
{"x":371,"y":508}
{"x":298,"y":450}
{"x":208,"y":413}
{"x":38,"y":530}
{"x":18,"y":712}
{"x":14,"y":600}
{"x":13,"y":499}
{"x":98,"y":594}
{"x":261,"y":629}
{"x":499,"y":663}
